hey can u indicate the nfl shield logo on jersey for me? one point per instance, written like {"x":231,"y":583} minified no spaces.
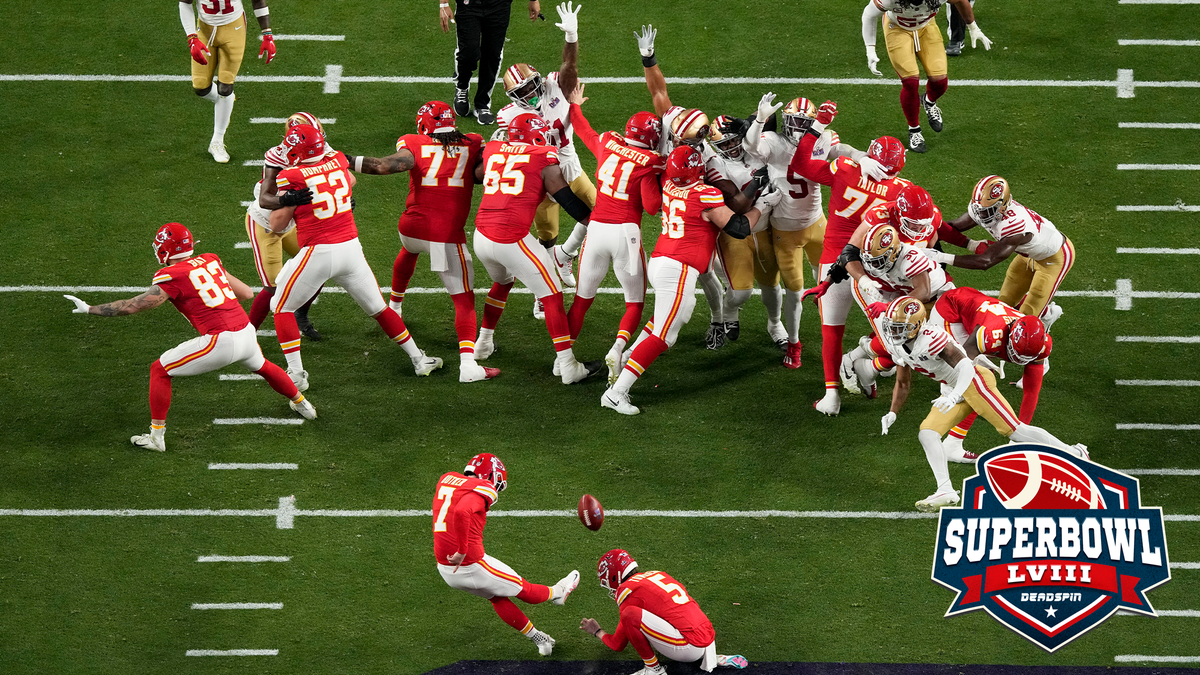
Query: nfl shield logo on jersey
{"x":1049,"y":544}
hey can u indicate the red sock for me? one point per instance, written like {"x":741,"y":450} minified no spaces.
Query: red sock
{"x":1031,"y":387}
{"x":287,"y":332}
{"x":493,"y":306}
{"x":579,"y":308}
{"x":512,"y":615}
{"x":534,"y":594}
{"x":831,"y":353}
{"x":910,"y":100}
{"x":960,"y":430}
{"x":629,"y":322}
{"x":556,"y":321}
{"x":935,"y":87}
{"x":278,"y":380}
{"x":260,"y":306}
{"x":393,"y":325}
{"x":645,"y":354}
{"x":465,"y":320}
{"x":160,"y":391}
{"x":883,"y":360}
{"x":402,"y":271}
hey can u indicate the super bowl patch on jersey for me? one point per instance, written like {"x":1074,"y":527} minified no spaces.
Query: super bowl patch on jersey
{"x":1049,"y":544}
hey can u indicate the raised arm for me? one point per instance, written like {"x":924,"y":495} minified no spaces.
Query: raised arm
{"x":655,"y":82}
{"x":583,"y":129}
{"x":568,"y":73}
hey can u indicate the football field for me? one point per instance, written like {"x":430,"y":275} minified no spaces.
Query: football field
{"x":259,"y":544}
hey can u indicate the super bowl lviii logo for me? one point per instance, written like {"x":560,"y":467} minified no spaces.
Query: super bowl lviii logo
{"x":1049,"y":544}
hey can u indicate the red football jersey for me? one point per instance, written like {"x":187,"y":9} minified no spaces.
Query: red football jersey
{"x":512,"y":189}
{"x":661,"y":595}
{"x":327,"y":220}
{"x":626,"y":181}
{"x":200,"y":291}
{"x":975,"y":310}
{"x":889,"y":213}
{"x":440,"y":187}
{"x":851,"y":194}
{"x":460,"y":505}
{"x":686,"y":236}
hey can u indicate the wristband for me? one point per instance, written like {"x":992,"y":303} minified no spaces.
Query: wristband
{"x":358,"y":164}
{"x":649,"y":61}
{"x":266,"y":31}
{"x":444,"y":5}
{"x":260,"y":12}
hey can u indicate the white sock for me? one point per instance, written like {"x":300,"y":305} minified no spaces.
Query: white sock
{"x":860,"y":353}
{"x":732,"y":304}
{"x":575,"y":241}
{"x":158,"y":432}
{"x":212,"y":94}
{"x":221,"y":116}
{"x":1027,"y":433}
{"x":791,"y":315}
{"x":713,"y":293}
{"x":410,"y":347}
{"x":931,"y":443}
{"x":294,"y":362}
{"x":396,"y":306}
{"x":772,"y":299}
{"x":625,"y":381}
{"x":466,"y":359}
{"x":565,"y":357}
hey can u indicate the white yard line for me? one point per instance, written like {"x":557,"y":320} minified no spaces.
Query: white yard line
{"x":1140,"y":658}
{"x":1150,"y":125}
{"x":1161,"y":251}
{"x":1189,"y":208}
{"x":237,"y":605}
{"x":1159,"y":2}
{"x":1161,"y":472}
{"x":1158,"y":383}
{"x":242,"y":244}
{"x":1158,"y":43}
{"x":1158,"y":427}
{"x":233,"y":652}
{"x":1185,"y":566}
{"x":312,"y":38}
{"x":1186,"y":613}
{"x":238,"y":377}
{"x":283,"y":120}
{"x":254,"y":162}
{"x":288,"y":421}
{"x":1120,"y":167}
{"x":1173,"y":339}
{"x":254,"y":467}
{"x":244,"y":558}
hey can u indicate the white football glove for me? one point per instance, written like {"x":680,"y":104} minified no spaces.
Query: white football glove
{"x":944,"y":403}
{"x":873,"y":60}
{"x":977,"y":35}
{"x":870,"y":289}
{"x":765,"y":107}
{"x":873,"y":169}
{"x":646,"y":40}
{"x":81,"y":307}
{"x":768,"y":198}
{"x":568,"y":15}
{"x":939,"y":257}
{"x":887,"y":421}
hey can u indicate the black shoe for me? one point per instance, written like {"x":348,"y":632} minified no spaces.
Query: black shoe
{"x":933,"y":114}
{"x":484,"y":116}
{"x":307,"y":328}
{"x":462,"y":107}
{"x":916,"y":141}
{"x":954,"y":49}
{"x":715,"y":337}
{"x":594,"y":367}
{"x":732,"y":330}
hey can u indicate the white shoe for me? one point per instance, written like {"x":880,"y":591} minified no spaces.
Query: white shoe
{"x":304,"y":408}
{"x":564,"y":587}
{"x":425,"y":365}
{"x":615,"y":364}
{"x":563,"y":262}
{"x":846,"y":373}
{"x":618,"y":401}
{"x":539,"y":310}
{"x":484,"y":349}
{"x":652,"y":670}
{"x":397,"y":307}
{"x":545,"y":643}
{"x":1081,"y":451}
{"x":952,"y":447}
{"x":778,"y":333}
{"x":557,"y":369}
{"x":831,"y":404}
{"x":473,"y":372}
{"x":216,"y":148}
{"x":1050,"y":315}
{"x":733,"y":661}
{"x":575,"y":371}
{"x":299,"y":378}
{"x":936,"y":501}
{"x":149,"y":442}
{"x":867,"y":376}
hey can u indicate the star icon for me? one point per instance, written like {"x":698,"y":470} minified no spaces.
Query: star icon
{"x":1050,"y":612}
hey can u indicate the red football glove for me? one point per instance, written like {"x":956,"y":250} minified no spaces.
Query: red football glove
{"x":268,"y":46}
{"x":827,"y":112}
{"x":875,"y":309}
{"x":816,"y":291}
{"x":980,"y":247}
{"x":199,"y":51}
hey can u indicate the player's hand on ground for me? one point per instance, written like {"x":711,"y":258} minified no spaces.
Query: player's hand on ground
{"x":445,"y":15}
{"x":589,"y":626}
{"x":81,"y":307}
{"x":978,"y":36}
{"x":873,"y":169}
{"x":268,"y":46}
{"x":873,"y":61}
{"x":535,"y":10}
{"x":199,"y":50}
{"x":646,"y":40}
{"x":576,"y":96}
{"x":568,"y":15}
{"x":456,"y":560}
{"x":827,"y":112}
{"x":295,"y":197}
{"x":944,"y":404}
{"x":887,"y":422}
{"x":767,"y":107}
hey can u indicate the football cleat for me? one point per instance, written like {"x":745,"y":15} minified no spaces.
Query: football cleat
{"x":484,"y":348}
{"x":149,"y":442}
{"x":557,"y":369}
{"x":618,"y":401}
{"x":615,"y":365}
{"x":539,"y":310}
{"x":473,"y":372}
{"x":1051,"y":314}
{"x":916,"y":141}
{"x":952,"y":446}
{"x":575,"y":371}
{"x":545,"y":643}
{"x":1080,"y":450}
{"x":733,"y":661}
{"x":732,"y":330}
{"x":652,"y":670}
{"x":791,"y":359}
{"x":462,"y":107}
{"x":933,"y":114}
{"x":564,"y":587}
{"x":216,"y":148}
{"x":954,"y":49}
{"x":563,"y":262}
{"x":304,"y":409}
{"x":934,"y":502}
{"x":715,"y":337}
{"x":484,"y":116}
{"x":830,"y":404}
{"x":846,"y":373}
{"x":306,"y":327}
{"x":299,"y":378}
{"x":425,"y":365}
{"x":865,"y":373}
{"x":778,"y":333}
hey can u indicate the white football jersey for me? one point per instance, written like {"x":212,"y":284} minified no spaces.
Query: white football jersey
{"x":261,"y":216}
{"x":219,"y":12}
{"x":665,"y":146}
{"x":556,"y":111}
{"x":911,"y":263}
{"x":1046,"y":241}
{"x":910,"y":16}
{"x":922,"y":353}
{"x":739,"y":171}
{"x":801,"y":201}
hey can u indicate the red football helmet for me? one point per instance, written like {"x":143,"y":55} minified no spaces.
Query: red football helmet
{"x":304,"y":143}
{"x":889,"y":152}
{"x":644,"y":130}
{"x":303,"y":118}
{"x":1028,"y":340}
{"x":684,"y":166}
{"x":915,"y":208}
{"x":614,"y":568}
{"x":487,"y":466}
{"x":435,"y":117}
{"x":527,"y":128}
{"x":172,"y":240}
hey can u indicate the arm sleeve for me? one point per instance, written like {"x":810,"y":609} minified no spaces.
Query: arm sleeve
{"x":870,"y":23}
{"x":187,"y":16}
{"x":470,"y":506}
{"x":812,"y":169}
{"x":845,"y":150}
{"x":584,"y":130}
{"x":628,"y":632}
{"x":753,"y":141}
{"x":651,"y":194}
{"x":966,"y":373}
{"x":573,"y":205}
{"x":950,"y":235}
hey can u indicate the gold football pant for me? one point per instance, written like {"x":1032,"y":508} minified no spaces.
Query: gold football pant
{"x":788,"y":249}
{"x":982,"y":397}
{"x":268,"y":248}
{"x":545,"y":221}
{"x":747,"y":260}
{"x":905,"y":47}
{"x":1036,"y":280}
{"x":226,"y":46}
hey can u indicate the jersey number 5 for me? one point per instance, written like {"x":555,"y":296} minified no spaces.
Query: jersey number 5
{"x":508,"y":180}
{"x":677,"y":593}
{"x":212,"y":285}
{"x":326,"y":204}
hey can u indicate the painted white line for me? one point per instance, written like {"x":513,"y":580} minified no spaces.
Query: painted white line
{"x":285,"y":515}
{"x":1186,"y":613}
{"x":1159,"y":2}
{"x":237,"y":605}
{"x":242,"y":244}
{"x":1158,"y":383}
{"x":1185,"y":566}
{"x":254,"y":162}
{"x":238,"y":377}
{"x":1158,"y":427}
{"x":1161,"y":472}
{"x":233,"y":467}
{"x":266,"y":333}
{"x":1150,"y":125}
{"x":283,"y":120}
{"x":1125,"y":84}
{"x":332,"y":80}
{"x":233,"y":652}
{"x":312,"y":38}
{"x":1136,"y":658}
{"x":1178,"y":206}
{"x":1175,"y":339}
{"x":1161,"y":251}
{"x":246,"y":203}
{"x":1159,"y":43}
{"x":244,"y":558}
{"x":1143,"y":167}
{"x":258,"y":420}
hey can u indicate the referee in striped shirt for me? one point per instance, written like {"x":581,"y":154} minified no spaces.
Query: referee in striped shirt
{"x":480,"y":27}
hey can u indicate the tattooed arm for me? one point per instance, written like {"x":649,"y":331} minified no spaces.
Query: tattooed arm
{"x":153,"y":297}
{"x":400,"y":162}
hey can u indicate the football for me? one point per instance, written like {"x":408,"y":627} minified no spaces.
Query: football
{"x":591,"y":514}
{"x":1026,"y":479}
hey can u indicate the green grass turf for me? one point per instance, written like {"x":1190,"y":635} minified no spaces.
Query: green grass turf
{"x":94,"y":168}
